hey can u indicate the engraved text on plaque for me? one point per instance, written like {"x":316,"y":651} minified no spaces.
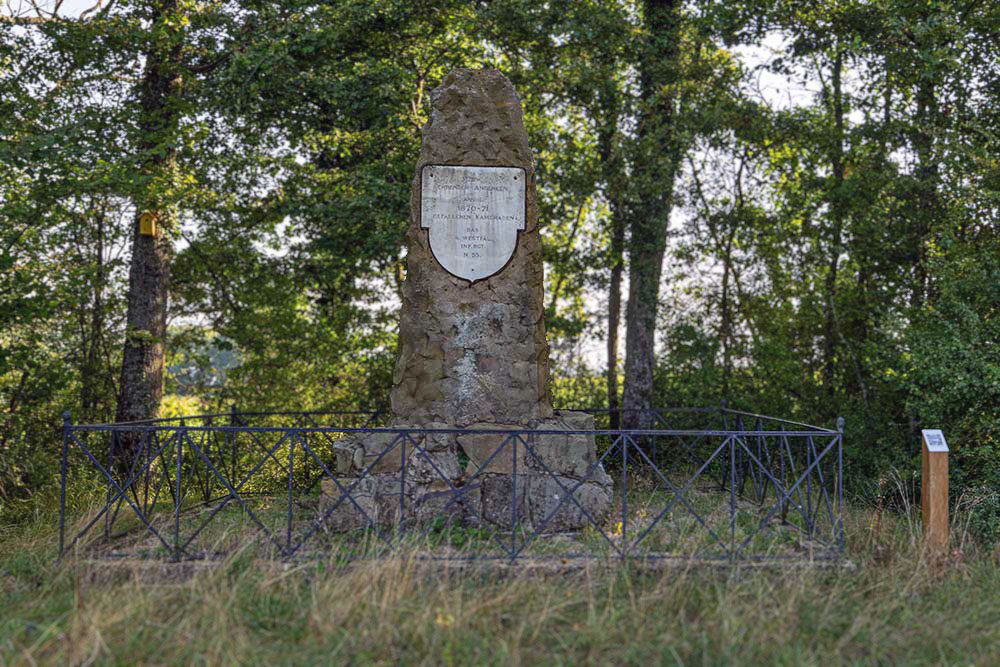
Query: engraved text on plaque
{"x":473,"y":214}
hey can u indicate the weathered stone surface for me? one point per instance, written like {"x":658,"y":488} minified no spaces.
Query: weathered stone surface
{"x":483,"y":454}
{"x":376,"y":498}
{"x":382,"y":451}
{"x":343,"y":515}
{"x":498,"y":495}
{"x":473,"y":352}
{"x":539,"y":500}
{"x":545,"y":496}
{"x":461,"y":504}
{"x":572,"y":420}
{"x":571,"y":454}
{"x":432,"y":468}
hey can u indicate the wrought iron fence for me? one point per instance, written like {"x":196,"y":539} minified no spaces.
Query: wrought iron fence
{"x":709,"y":483}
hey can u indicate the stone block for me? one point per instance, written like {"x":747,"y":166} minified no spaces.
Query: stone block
{"x":383,"y":451}
{"x":498,"y":494}
{"x":571,"y":454}
{"x":345,"y":515}
{"x":479,"y":449}
{"x":431,"y":467}
{"x":539,"y":496}
{"x":377,"y":498}
{"x":460,"y":504}
{"x":575,"y":421}
{"x":550,"y":504}
{"x":348,"y":457}
{"x":435,"y":442}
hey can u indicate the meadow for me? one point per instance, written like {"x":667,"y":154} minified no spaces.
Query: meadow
{"x":889,"y":603}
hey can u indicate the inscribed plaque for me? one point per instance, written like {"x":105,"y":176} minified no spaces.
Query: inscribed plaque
{"x":473,"y":215}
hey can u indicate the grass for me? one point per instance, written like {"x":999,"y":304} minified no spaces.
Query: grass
{"x":895,"y":608}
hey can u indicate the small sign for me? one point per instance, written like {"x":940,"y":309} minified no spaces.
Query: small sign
{"x":474,"y":215}
{"x":934,"y":439}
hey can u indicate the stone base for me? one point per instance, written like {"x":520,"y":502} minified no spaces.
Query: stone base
{"x":376,"y":500}
{"x":548,"y":464}
{"x":552,"y":504}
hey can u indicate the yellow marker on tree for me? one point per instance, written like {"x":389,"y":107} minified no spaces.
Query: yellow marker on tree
{"x":147,"y":223}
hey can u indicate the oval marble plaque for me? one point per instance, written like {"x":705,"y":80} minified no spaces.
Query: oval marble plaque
{"x":473,"y":215}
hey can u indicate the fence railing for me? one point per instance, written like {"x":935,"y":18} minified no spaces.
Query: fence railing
{"x":707,"y":483}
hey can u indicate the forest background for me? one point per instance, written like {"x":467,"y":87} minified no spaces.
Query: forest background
{"x":797,"y":201}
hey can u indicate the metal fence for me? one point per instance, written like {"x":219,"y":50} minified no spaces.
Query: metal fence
{"x":707,"y":483}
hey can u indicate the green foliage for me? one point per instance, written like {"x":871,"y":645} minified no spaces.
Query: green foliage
{"x":833,"y":250}
{"x":954,"y":377}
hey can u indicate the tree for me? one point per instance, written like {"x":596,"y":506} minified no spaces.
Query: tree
{"x":62,"y":247}
{"x":659,"y":151}
{"x":160,"y":109}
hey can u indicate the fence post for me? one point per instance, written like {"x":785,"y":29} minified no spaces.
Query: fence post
{"x":177,"y":498}
{"x":62,"y":482}
{"x":840,"y":483}
{"x":725,"y":427}
{"x":934,"y":489}
{"x":291,"y":500}
{"x":231,"y":436}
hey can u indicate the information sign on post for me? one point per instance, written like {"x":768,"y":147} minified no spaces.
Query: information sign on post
{"x":934,"y":489}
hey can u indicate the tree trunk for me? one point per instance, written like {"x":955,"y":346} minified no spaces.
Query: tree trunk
{"x":141,"y":386}
{"x":614,"y":313}
{"x":726,"y":324}
{"x":614,"y":180}
{"x":927,"y":202}
{"x":837,"y":215}
{"x":92,"y":380}
{"x":659,"y":153}
{"x":927,"y":184}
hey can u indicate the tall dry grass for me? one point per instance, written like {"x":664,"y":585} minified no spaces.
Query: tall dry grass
{"x":895,"y":607}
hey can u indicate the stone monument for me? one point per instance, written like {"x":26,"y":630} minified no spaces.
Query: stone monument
{"x":472,"y":351}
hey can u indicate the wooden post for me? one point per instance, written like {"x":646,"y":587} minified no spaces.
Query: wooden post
{"x":934,"y":489}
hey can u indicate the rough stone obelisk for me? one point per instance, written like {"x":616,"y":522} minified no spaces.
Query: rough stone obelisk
{"x":472,"y":347}
{"x":472,"y":352}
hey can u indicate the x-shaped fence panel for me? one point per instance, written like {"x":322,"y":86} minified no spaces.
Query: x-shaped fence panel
{"x":745,"y":487}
